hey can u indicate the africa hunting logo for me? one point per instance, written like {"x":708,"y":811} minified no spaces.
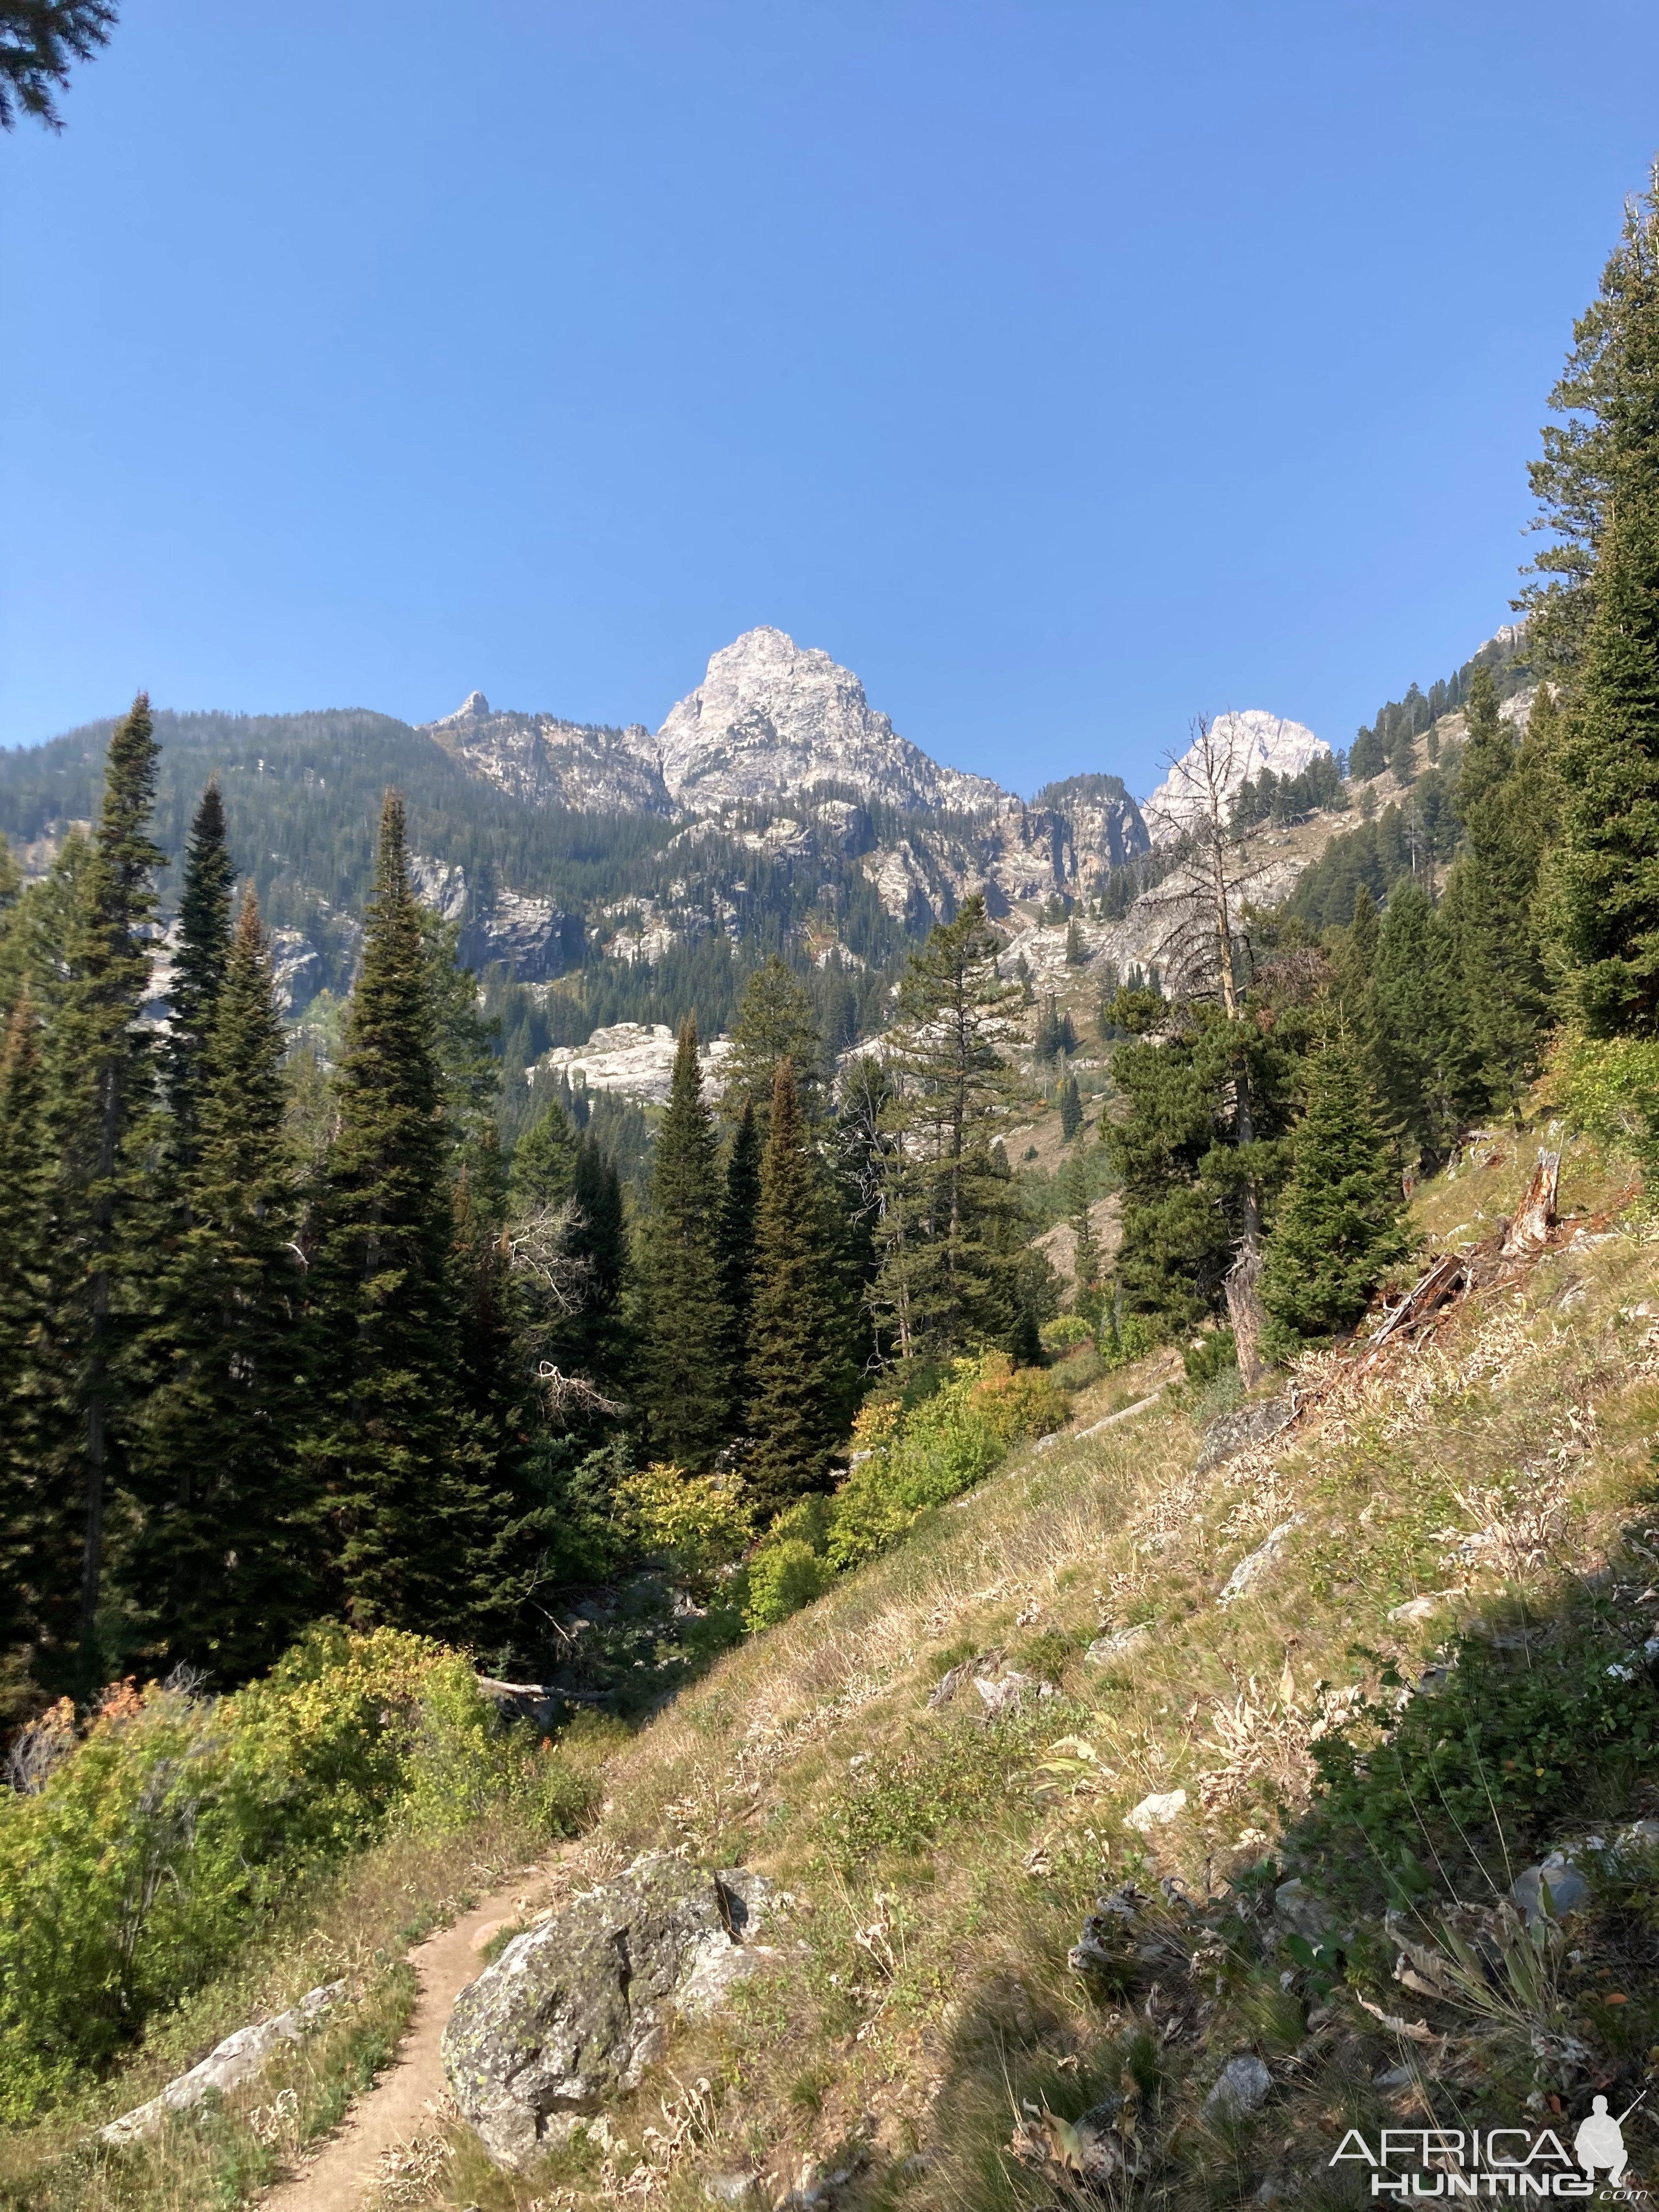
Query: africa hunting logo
{"x":1516,"y":2162}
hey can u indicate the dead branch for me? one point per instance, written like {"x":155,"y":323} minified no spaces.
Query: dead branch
{"x":539,"y":1246}
{"x":567,"y":1394}
{"x":1448,"y":1275}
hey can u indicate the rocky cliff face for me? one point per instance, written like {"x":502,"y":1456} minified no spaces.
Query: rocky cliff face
{"x":548,"y":763}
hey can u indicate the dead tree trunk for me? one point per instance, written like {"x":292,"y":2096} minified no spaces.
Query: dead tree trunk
{"x":1529,"y":1232}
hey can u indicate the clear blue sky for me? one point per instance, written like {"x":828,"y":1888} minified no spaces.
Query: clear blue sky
{"x":1065,"y":369}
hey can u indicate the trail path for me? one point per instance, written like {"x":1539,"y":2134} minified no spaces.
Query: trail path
{"x":340,"y":2177}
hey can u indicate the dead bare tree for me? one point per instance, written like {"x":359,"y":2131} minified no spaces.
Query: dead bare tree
{"x":1204,"y":951}
{"x":560,"y":1281}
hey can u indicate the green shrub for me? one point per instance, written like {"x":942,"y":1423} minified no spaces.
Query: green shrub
{"x":1125,"y":1337}
{"x":938,"y":1450}
{"x":1609,"y":1088}
{"x":1065,"y":1333}
{"x":784,"y":1575}
{"x":163,"y":1835}
{"x":1512,"y":1752}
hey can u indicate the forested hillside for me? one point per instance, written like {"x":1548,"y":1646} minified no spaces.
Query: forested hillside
{"x":332,"y":1386}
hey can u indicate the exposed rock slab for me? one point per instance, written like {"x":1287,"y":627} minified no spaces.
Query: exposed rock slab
{"x":227,"y":2063}
{"x":574,"y":2011}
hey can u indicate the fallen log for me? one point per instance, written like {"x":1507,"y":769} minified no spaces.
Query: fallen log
{"x":1448,"y":1275}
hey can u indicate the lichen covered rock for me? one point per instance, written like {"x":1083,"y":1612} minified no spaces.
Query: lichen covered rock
{"x":574,"y":2010}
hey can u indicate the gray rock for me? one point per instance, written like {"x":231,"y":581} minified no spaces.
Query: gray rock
{"x":227,"y":2063}
{"x":1567,"y":1887}
{"x":1106,"y":1650}
{"x":731,"y":2188}
{"x":1303,"y":1912}
{"x":574,"y":2011}
{"x":1242,"y":2089}
{"x":1101,"y":2151}
{"x":1235,"y":1432}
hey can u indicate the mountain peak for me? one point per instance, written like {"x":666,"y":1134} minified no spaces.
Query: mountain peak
{"x":1245,"y":743}
{"x":771,"y":716}
{"x":474,"y":707}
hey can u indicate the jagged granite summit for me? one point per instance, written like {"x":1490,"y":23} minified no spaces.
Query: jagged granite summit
{"x":1242,"y":744}
{"x":586,"y":765}
{"x":772,"y":717}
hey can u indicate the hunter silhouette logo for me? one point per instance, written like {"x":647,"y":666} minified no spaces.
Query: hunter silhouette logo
{"x":1451,"y":2162}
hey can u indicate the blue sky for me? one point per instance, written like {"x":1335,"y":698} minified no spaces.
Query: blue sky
{"x":1065,"y":369}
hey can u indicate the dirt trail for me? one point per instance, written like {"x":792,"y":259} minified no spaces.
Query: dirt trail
{"x":340,"y":2176}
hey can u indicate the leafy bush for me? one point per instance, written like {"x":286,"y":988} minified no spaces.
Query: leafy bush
{"x":1065,"y":1331}
{"x":784,"y":1575}
{"x":1511,"y":1752}
{"x":1125,"y":1337}
{"x":1609,"y":1088}
{"x":699,"y":1524}
{"x":940,"y":1449}
{"x":150,"y":1850}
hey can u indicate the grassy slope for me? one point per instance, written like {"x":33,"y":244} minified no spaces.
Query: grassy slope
{"x":941,"y":1872}
{"x":941,"y":1867}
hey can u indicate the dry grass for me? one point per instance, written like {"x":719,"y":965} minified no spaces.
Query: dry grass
{"x":1492,"y":1459}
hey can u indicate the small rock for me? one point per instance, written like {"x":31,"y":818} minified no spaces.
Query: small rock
{"x":227,"y":2063}
{"x":1415,"y":1609}
{"x":1006,"y":1696}
{"x":1100,"y":2148}
{"x":731,"y":2188}
{"x":1303,"y":1912}
{"x":1116,"y":1645}
{"x":1242,"y":2089}
{"x":1568,"y":1889}
{"x":1235,"y":1432}
{"x":1156,"y":1811}
{"x":1250,"y":1569}
{"x":1393,"y":2077}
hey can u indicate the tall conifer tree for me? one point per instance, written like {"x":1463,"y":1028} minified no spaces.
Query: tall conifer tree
{"x":200,"y":960}
{"x":775,"y":1021}
{"x":739,"y":1218}
{"x":405,"y":1482}
{"x":221,"y":1570}
{"x":796,"y":1353}
{"x":1338,"y":1230}
{"x":1424,"y":1068}
{"x":101,"y":1082}
{"x":686,"y":1386}
{"x":25,"y":1533}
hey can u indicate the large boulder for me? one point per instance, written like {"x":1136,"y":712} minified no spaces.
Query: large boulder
{"x":574,"y":2010}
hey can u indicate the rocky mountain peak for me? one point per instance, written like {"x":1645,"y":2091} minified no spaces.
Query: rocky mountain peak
{"x":772,"y":717}
{"x":1241,"y":744}
{"x":474,"y":707}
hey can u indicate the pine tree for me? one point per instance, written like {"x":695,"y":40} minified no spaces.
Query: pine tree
{"x":1423,"y":1064}
{"x":200,"y":960}
{"x":1337,"y":1229}
{"x":946,"y":1280}
{"x":25,"y":1532}
{"x":412,"y":1520}
{"x":221,"y":1572}
{"x":1489,"y":902}
{"x":1605,"y":871}
{"x":685,"y":1388}
{"x":738,"y":1221}
{"x":598,"y":1333}
{"x":100,"y":1085}
{"x":795,"y":1351}
{"x":543,"y":1170}
{"x":1070,"y":1102}
{"x":1077,"y":952}
{"x":775,"y":1021}
{"x":1087,"y":1265}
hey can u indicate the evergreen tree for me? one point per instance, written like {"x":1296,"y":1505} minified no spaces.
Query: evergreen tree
{"x":1077,"y":952}
{"x":543,"y":1171}
{"x":775,"y":1021}
{"x":946,"y":1278}
{"x":1489,"y":904}
{"x":220,"y":1571}
{"x":738,"y":1221}
{"x":1605,"y":871}
{"x":25,"y":1533}
{"x":1087,"y":1265}
{"x":403,"y":1478}
{"x":1338,"y":1228}
{"x":795,"y":1350}
{"x":1423,"y":1067}
{"x":200,"y":960}
{"x":598,"y":1333}
{"x":860,"y":1165}
{"x":1609,"y":395}
{"x":684,"y":1384}
{"x":1070,"y":1102}
{"x":100,"y":1085}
